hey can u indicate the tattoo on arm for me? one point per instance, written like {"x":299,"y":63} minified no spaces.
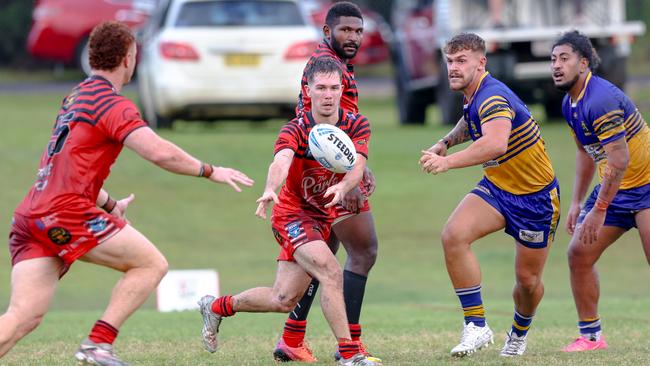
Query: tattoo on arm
{"x":458,"y":134}
{"x":617,"y":159}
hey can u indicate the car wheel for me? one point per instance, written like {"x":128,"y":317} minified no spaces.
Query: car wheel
{"x":82,"y":56}
{"x":612,"y":67}
{"x":450,"y":102}
{"x":411,"y":104}
{"x":147,"y":107}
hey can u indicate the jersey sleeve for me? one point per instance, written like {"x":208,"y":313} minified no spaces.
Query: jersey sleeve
{"x":607,"y":118}
{"x":360,"y":134}
{"x":121,"y":119}
{"x":288,"y":138}
{"x":493,"y":107}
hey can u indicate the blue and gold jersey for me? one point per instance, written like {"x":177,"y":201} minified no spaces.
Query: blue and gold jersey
{"x":525,"y":167}
{"x":602,"y":114}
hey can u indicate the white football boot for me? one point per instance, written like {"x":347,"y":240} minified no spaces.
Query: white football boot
{"x":514,"y":346}
{"x":473,"y":339}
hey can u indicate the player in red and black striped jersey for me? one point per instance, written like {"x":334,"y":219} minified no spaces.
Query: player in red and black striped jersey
{"x":353,"y":224}
{"x":302,"y":217}
{"x":59,"y":220}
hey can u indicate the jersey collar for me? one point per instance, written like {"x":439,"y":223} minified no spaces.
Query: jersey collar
{"x":312,"y":122}
{"x":480,"y":82}
{"x":582,"y":92}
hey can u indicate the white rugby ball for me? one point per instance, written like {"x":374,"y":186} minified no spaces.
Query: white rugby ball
{"x":332,"y":148}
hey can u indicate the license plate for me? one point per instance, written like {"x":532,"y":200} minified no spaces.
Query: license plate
{"x":242,"y":59}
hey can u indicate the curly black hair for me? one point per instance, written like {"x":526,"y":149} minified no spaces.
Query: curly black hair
{"x":581,"y":44}
{"x":342,"y":9}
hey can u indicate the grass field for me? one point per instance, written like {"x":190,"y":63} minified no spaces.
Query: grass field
{"x":411,"y":315}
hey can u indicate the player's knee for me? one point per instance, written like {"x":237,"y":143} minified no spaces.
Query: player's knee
{"x":452,"y":237}
{"x":285,"y":302}
{"x":528,"y":282}
{"x":364,"y":257}
{"x":331,"y":274}
{"x":578,"y":257}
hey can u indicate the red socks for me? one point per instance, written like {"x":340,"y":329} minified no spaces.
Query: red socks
{"x":223,"y":306}
{"x":103,"y":332}
{"x":294,"y":332}
{"x":348,"y":348}
{"x":355,"y":331}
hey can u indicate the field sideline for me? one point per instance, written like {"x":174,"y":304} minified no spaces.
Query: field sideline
{"x":411,"y":315}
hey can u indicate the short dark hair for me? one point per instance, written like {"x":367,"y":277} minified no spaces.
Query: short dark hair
{"x":108,"y":44}
{"x":323,"y":65}
{"x":581,"y":44}
{"x":342,"y":9}
{"x":465,"y":41}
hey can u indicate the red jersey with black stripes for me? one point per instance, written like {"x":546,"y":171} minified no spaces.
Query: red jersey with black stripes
{"x":87,"y":137}
{"x":307,"y":180}
{"x":350,"y":97}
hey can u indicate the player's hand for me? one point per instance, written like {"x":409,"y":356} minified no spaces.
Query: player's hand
{"x":433,"y":163}
{"x":368,"y":181}
{"x":354,"y":200}
{"x":120,"y":206}
{"x":263,"y":202}
{"x":591,"y":225}
{"x":572,"y":218}
{"x":337,"y":192}
{"x":439,"y":148}
{"x":231,"y":177}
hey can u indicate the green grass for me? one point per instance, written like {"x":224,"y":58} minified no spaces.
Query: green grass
{"x":411,"y":315}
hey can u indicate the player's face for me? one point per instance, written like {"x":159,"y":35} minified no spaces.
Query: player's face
{"x":325,"y":92}
{"x":566,"y":66}
{"x":346,"y":36}
{"x":130,"y":64}
{"x":463,"y":68}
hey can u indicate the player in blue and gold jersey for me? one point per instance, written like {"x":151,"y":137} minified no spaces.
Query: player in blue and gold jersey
{"x":519,"y":192}
{"x":613,"y":137}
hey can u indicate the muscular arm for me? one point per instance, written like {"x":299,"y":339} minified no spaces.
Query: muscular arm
{"x":458,"y":135}
{"x":491,"y":145}
{"x":618,"y":157}
{"x":146,"y":143}
{"x":278,"y":170}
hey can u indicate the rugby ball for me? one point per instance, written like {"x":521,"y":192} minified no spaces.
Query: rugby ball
{"x":332,"y":148}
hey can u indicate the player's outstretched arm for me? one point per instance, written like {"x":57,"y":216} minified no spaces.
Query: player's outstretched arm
{"x":278,"y":171}
{"x":146,"y":143}
{"x":458,"y":135}
{"x":491,"y":145}
{"x":349,"y":181}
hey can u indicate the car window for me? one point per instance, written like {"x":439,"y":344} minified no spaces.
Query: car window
{"x":239,"y":13}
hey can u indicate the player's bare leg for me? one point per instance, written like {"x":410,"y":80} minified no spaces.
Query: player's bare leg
{"x":471,"y":220}
{"x":643,"y":224}
{"x":359,"y":238}
{"x":586,"y":286}
{"x":290,"y":282}
{"x":144,"y":266}
{"x":527,"y":293}
{"x":316,"y":258}
{"x":33,"y":284}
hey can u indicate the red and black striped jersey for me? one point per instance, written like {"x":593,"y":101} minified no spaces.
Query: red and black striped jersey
{"x":87,"y":137}
{"x":350,"y":97}
{"x":307,"y":180}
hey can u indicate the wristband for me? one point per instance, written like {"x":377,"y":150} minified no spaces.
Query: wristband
{"x":601,"y":204}
{"x":110,"y":204}
{"x":206,"y":170}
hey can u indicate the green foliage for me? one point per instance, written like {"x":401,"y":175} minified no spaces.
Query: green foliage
{"x":15,"y":18}
{"x":411,"y":315}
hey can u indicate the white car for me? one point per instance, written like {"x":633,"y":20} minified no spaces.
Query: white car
{"x":223,"y":59}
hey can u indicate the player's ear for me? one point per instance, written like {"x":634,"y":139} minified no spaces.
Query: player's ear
{"x":327,"y":31}
{"x":308,"y":90}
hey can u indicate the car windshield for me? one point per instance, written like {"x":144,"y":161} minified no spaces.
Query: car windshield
{"x":239,"y":13}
